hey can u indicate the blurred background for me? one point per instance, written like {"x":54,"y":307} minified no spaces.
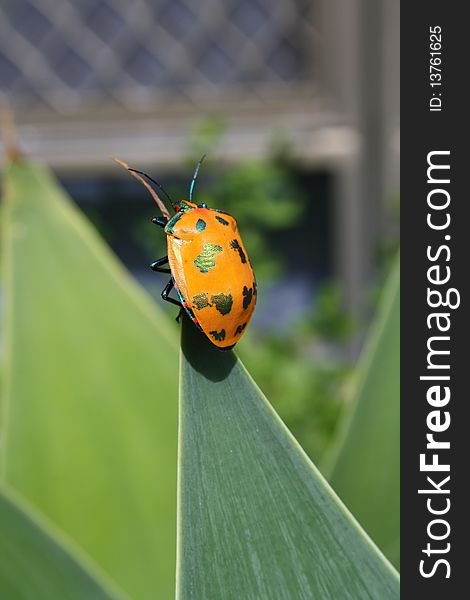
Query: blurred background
{"x":295,"y":103}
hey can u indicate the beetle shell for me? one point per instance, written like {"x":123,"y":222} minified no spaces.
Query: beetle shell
{"x":212,"y":272}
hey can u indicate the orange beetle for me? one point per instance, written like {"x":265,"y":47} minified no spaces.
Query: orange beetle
{"x":209,"y":267}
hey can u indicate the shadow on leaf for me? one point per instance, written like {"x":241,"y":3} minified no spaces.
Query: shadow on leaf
{"x":205,"y":358}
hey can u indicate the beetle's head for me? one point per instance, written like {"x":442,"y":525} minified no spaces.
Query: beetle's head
{"x":184,"y":206}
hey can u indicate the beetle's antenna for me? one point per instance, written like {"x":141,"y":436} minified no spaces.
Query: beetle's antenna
{"x":137,"y":175}
{"x":191,"y":187}
{"x":159,"y":185}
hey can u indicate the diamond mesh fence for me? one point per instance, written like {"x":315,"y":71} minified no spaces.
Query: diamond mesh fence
{"x":63,"y":56}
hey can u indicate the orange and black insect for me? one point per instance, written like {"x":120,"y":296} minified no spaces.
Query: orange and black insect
{"x":210,"y":269}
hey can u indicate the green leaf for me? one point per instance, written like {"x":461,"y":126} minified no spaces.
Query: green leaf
{"x":89,"y":415}
{"x":365,"y":469}
{"x":34,"y":565}
{"x":256,"y":519}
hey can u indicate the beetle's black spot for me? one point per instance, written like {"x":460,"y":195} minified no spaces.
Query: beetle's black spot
{"x":240,"y":329}
{"x":248,"y":295}
{"x":200,"y":225}
{"x":223,"y":303}
{"x":218,"y":335}
{"x":223,"y":221}
{"x":236,"y":246}
{"x":201,"y":301}
{"x":255,"y":288}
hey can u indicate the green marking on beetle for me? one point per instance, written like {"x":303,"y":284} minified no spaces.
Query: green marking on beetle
{"x":200,"y":225}
{"x":201,"y":301}
{"x":236,"y":246}
{"x":205,"y":261}
{"x":223,"y":221}
{"x":248,"y":295}
{"x":218,"y":335}
{"x":223,"y":303}
{"x":240,"y":329}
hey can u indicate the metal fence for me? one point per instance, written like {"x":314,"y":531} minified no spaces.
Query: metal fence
{"x":63,"y":56}
{"x":86,"y":78}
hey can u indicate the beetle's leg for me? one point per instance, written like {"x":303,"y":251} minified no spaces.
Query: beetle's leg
{"x":161,"y":221}
{"x":165,"y":294}
{"x":180,"y":314}
{"x":156,"y":265}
